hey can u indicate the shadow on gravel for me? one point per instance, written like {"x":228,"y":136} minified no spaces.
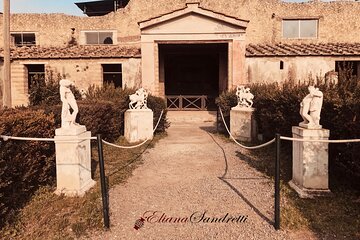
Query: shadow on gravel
{"x":223,"y":179}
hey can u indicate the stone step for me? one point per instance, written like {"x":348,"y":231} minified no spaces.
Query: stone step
{"x":191,"y":116}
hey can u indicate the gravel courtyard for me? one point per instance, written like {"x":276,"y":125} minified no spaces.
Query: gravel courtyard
{"x":193,"y":185}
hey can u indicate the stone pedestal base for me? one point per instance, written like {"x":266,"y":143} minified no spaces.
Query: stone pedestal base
{"x":73,"y":161}
{"x":309,"y":193}
{"x":138,"y":125}
{"x":242,"y":124}
{"x":310,"y":163}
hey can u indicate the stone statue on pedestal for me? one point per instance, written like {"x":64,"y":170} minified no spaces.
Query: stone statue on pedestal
{"x":242,"y":122}
{"x":68,"y":101}
{"x":138,"y":120}
{"x":73,"y":148}
{"x":310,"y":109}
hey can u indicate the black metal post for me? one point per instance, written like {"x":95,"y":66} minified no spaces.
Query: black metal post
{"x":277,"y":183}
{"x":104,"y":195}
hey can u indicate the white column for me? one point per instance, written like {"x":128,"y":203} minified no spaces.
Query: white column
{"x":238,"y":63}
{"x":148,"y":64}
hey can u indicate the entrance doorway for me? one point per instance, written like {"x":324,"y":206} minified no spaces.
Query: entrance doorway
{"x":193,"y":75}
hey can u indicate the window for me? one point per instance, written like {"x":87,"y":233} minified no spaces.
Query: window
{"x":23,"y":39}
{"x":112,"y":74}
{"x":348,"y":69}
{"x":300,"y":28}
{"x":36,"y":73}
{"x":99,"y":37}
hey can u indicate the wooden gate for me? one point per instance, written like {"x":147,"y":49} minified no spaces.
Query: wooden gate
{"x":187,"y":102}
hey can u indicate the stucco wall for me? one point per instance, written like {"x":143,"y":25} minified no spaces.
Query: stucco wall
{"x":297,"y":69}
{"x":83,"y":72}
{"x":338,"y":21}
{"x":1,"y":80}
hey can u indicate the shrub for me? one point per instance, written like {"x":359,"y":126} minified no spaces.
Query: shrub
{"x":157,"y":104}
{"x":108,"y":92}
{"x":45,"y":91}
{"x":226,"y":101}
{"x":277,"y":107}
{"x":24,"y":165}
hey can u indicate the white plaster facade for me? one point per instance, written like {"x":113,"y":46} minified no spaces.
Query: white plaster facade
{"x":296,"y":69}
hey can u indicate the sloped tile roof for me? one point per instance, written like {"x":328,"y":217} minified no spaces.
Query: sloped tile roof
{"x":126,"y":51}
{"x":87,"y":51}
{"x":318,"y":49}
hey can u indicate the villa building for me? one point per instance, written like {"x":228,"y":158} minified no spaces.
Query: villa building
{"x":185,"y":48}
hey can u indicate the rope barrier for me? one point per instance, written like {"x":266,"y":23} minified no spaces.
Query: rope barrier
{"x":320,"y":140}
{"x":243,"y":146}
{"x":6,"y":138}
{"x":125,"y":147}
{"x":138,"y":145}
{"x":157,"y":124}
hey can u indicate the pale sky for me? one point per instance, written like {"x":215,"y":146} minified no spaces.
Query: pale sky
{"x":56,"y":6}
{"x":44,"y":6}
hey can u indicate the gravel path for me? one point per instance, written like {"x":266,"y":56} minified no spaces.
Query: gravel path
{"x":183,"y":177}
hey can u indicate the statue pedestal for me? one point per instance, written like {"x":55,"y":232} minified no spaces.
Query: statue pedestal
{"x":310,"y":163}
{"x":73,"y":161}
{"x":138,"y":125}
{"x":242,"y":124}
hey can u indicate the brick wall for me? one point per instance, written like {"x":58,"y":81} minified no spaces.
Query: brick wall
{"x":338,"y":21}
{"x":19,"y":87}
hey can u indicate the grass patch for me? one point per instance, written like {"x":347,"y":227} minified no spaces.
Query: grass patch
{"x":334,"y":217}
{"x":49,"y":216}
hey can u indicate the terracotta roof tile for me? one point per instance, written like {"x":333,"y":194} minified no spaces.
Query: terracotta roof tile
{"x":312,"y":49}
{"x":87,"y":51}
{"x":117,"y":51}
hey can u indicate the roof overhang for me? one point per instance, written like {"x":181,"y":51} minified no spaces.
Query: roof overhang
{"x":100,"y":8}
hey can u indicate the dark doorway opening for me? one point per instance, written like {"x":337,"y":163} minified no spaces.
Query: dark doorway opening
{"x":36,"y":74}
{"x":194,"y":70}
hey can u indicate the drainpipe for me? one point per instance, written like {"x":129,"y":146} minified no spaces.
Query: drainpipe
{"x":6,"y":69}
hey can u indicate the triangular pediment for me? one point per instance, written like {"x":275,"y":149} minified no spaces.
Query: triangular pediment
{"x":193,"y":20}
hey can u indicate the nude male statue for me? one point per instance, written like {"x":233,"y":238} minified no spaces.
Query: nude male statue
{"x":68,"y":101}
{"x":310,"y":108}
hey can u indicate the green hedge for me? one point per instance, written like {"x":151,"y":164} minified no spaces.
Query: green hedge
{"x":277,"y":110}
{"x":24,"y":165}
